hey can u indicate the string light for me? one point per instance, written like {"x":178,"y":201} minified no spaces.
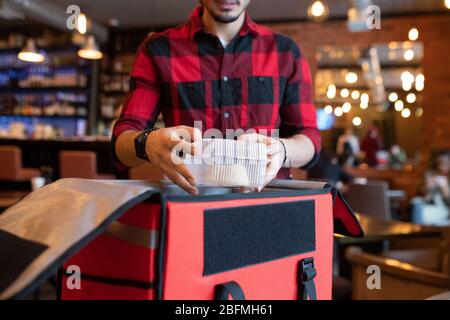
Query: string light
{"x":338,"y":112}
{"x":82,"y":24}
{"x":411,"y":98}
{"x":413,"y":34}
{"x":351,"y":77}
{"x":328,"y":109}
{"x":363,"y":105}
{"x":355,"y":95}
{"x":447,"y":4}
{"x":399,"y":105}
{"x":406,"y":113}
{"x":331,"y":92}
{"x":393,"y":97}
{"x":408,"y":55}
{"x":345,"y":93}
{"x":318,"y":11}
{"x":346,"y":107}
{"x":365,"y":98}
{"x":357,"y":121}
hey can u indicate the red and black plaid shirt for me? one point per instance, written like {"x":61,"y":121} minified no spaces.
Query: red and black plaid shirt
{"x":259,"y":81}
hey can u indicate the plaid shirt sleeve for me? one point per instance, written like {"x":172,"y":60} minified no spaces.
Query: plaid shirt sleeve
{"x":141,"y":106}
{"x":297,"y":111}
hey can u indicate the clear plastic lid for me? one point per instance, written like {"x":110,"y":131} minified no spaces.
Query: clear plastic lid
{"x":229,"y":163}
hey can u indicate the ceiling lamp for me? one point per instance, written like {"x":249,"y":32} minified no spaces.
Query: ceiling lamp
{"x":399,"y":105}
{"x":345,"y":93}
{"x":406,"y":113}
{"x":351,"y":77}
{"x":413,"y":34}
{"x":90,"y":50}
{"x":346,"y":107}
{"x":393,"y":97}
{"x":356,"y":121}
{"x":318,"y":11}
{"x":411,"y":98}
{"x":328,"y":109}
{"x":29,"y":53}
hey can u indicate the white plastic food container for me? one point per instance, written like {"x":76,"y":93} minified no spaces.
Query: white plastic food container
{"x":229,"y":163}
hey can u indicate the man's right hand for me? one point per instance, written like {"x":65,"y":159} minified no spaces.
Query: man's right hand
{"x":161,"y":146}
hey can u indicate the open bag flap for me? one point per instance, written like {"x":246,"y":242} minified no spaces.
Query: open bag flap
{"x":44,"y":229}
{"x":344,"y":219}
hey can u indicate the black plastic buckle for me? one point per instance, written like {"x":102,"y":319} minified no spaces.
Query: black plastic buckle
{"x":308,"y":270}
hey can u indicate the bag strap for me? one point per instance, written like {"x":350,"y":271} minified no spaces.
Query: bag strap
{"x":232,"y":288}
{"x":305,"y":279}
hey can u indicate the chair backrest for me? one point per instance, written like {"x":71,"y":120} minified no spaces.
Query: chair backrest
{"x":370,"y":199}
{"x":10,"y":162}
{"x":146,"y":172}
{"x":78,"y":164}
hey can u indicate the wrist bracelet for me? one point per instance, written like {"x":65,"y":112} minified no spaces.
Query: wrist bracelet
{"x":285,"y":151}
{"x":140,"y":143}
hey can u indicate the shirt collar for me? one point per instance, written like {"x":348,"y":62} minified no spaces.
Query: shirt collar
{"x":196,"y":24}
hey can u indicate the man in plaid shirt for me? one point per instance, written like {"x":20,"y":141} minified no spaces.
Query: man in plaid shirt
{"x":228,"y":72}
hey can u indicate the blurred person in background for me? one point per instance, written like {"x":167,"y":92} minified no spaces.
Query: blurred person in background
{"x":433,"y":207}
{"x":348,"y":146}
{"x":397,"y":157}
{"x":371,"y":144}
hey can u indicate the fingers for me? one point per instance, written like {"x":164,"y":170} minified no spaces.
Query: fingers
{"x":190,"y":134}
{"x":185,"y":173}
{"x":180,"y":145}
{"x":176,"y":178}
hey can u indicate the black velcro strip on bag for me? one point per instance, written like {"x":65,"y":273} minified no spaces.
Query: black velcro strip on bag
{"x":242,"y":236}
{"x":15,"y":255}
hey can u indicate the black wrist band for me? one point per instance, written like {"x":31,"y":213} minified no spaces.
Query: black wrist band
{"x":285,"y":151}
{"x":140,"y":142}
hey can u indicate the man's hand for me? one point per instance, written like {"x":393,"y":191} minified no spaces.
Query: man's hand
{"x":163,"y":150}
{"x":275,"y":153}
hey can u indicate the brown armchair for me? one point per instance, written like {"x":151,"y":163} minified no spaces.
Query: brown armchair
{"x":399,"y":280}
{"x":80,"y":164}
{"x":11,"y":165}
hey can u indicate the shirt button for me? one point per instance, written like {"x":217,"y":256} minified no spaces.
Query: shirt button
{"x":261,"y":79}
{"x":225,"y":78}
{"x":226,"y":115}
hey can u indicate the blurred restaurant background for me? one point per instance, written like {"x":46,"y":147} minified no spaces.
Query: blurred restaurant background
{"x":382,"y":97}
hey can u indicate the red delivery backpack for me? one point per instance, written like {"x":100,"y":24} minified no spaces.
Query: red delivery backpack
{"x":276,"y":244}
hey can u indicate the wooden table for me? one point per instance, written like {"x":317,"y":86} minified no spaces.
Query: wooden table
{"x":380,"y":230}
{"x":8,"y":198}
{"x":377,"y":233}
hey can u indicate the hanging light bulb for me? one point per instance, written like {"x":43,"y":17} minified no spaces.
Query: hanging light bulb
{"x":351,"y":77}
{"x":331,"y":92}
{"x":406,"y":86}
{"x":90,"y":50}
{"x":413,"y":34}
{"x":399,"y":105}
{"x":411,"y":98}
{"x":328,"y":109}
{"x":393,"y":97}
{"x":363,"y":105}
{"x":365,"y":98}
{"x":407,"y":76}
{"x":447,"y":4}
{"x":345,"y":93}
{"x":82,"y":24}
{"x":408,"y":55}
{"x":406,"y":113}
{"x":318,"y":11}
{"x":355,"y":95}
{"x":420,"y":86}
{"x":356,"y":121}
{"x":338,"y":112}
{"x":346,"y":107}
{"x":29,"y":53}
